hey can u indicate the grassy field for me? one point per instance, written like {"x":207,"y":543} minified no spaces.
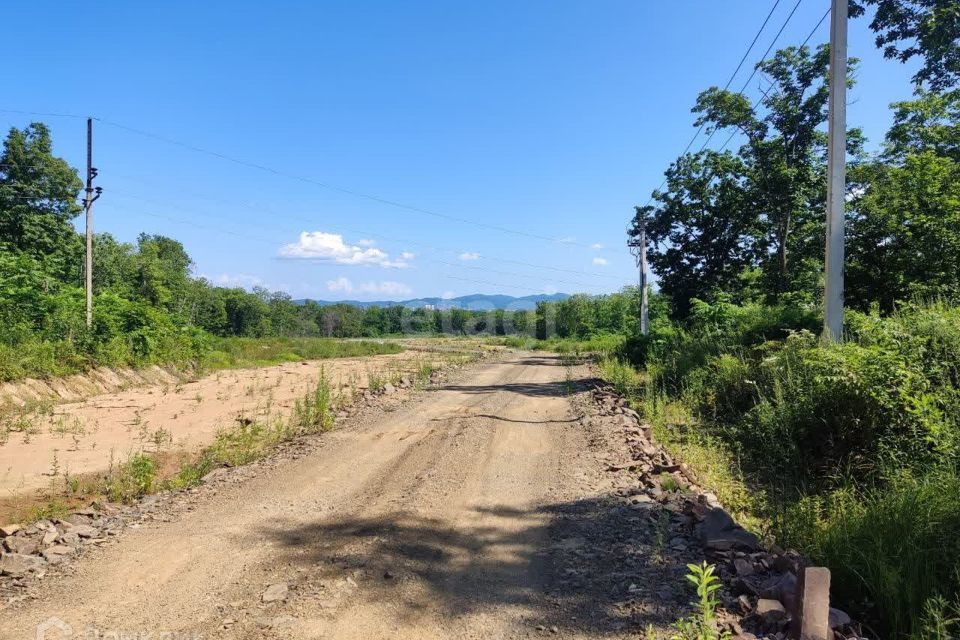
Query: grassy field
{"x":230,"y":353}
{"x":44,"y":359}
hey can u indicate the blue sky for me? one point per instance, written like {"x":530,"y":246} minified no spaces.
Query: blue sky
{"x":548,"y":118}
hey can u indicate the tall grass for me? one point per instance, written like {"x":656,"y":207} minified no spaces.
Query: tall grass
{"x":894,"y":551}
{"x":603,"y":345}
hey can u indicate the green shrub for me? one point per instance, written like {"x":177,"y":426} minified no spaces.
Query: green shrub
{"x":624,"y":378}
{"x":131,"y":479}
{"x":852,"y":449}
{"x":311,"y":413}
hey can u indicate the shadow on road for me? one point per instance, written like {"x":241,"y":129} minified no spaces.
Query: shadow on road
{"x":534,"y":389}
{"x":592,"y":565}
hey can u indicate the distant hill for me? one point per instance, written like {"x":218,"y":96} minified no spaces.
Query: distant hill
{"x":477,"y":301}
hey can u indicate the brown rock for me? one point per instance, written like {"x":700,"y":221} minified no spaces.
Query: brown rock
{"x":9,"y":530}
{"x":18,"y":565}
{"x":770,"y":610}
{"x":21,"y":544}
{"x":782,"y":588}
{"x":84,"y":531}
{"x":743,"y":567}
{"x":276,"y":592}
{"x":78,"y":519}
{"x":838,"y":618}
{"x":57,"y":553}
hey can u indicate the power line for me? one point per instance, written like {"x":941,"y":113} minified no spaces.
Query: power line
{"x":507,"y":273}
{"x":757,"y":67}
{"x":361,"y":232}
{"x":770,"y":88}
{"x":333,"y":261}
{"x":296,"y":177}
{"x":42,"y":114}
{"x":332,"y":187}
{"x":729,"y":82}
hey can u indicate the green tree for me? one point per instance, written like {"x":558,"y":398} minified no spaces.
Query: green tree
{"x":499,"y":322}
{"x":784,"y":156}
{"x":904,"y":233}
{"x":163,"y":271}
{"x":930,"y":122}
{"x":929,"y":29}
{"x":116,"y":265}
{"x":284,"y":317}
{"x":38,"y":199}
{"x":723,"y":216}
{"x":247,"y":314}
{"x":541,"y":320}
{"x":206,"y":307}
{"x":458,"y":320}
{"x":521,"y":321}
{"x":705,"y":230}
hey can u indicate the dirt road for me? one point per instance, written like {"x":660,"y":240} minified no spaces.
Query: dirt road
{"x":450,"y":517}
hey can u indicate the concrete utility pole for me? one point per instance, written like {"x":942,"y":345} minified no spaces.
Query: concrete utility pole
{"x":836,"y":173}
{"x":91,"y":195}
{"x":638,"y":248}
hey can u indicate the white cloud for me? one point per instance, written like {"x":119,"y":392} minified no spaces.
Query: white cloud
{"x":600,"y":262}
{"x":469,"y":255}
{"x":406,"y":255}
{"x":340,"y":284}
{"x":233,"y":280}
{"x":387,"y":287}
{"x":597,"y":246}
{"x":567,"y":240}
{"x":365,"y":242}
{"x":319,"y":245}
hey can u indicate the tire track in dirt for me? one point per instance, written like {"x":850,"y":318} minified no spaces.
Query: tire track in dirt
{"x":431,"y":521}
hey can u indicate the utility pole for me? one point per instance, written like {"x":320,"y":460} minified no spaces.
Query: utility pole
{"x":91,"y":195}
{"x":638,"y":247}
{"x":836,"y":173}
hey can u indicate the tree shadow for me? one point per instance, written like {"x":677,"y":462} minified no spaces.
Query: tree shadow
{"x":556,"y":389}
{"x":502,"y":419}
{"x":593,"y":565}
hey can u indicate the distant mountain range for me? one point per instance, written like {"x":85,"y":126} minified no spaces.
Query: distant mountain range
{"x":476,"y":301}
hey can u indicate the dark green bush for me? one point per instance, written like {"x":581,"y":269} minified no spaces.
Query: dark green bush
{"x":894,"y":552}
{"x":855,"y":445}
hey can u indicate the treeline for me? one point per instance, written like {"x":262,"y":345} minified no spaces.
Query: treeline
{"x":748,"y":225}
{"x":148,"y":307}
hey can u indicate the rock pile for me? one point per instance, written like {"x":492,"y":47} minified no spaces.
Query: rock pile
{"x":761,"y":584}
{"x":28,"y":550}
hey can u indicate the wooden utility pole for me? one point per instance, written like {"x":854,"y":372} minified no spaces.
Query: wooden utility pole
{"x":91,"y":195}
{"x":836,"y":174}
{"x":638,"y":247}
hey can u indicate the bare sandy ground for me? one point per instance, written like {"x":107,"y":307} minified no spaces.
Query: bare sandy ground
{"x":86,"y":436}
{"x":429,"y":521}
